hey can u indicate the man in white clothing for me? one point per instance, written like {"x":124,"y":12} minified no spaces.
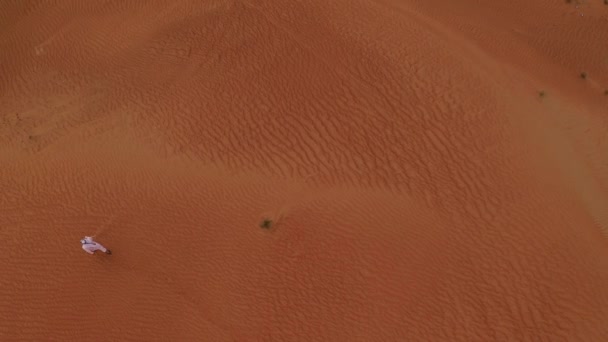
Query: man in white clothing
{"x":90,"y":246}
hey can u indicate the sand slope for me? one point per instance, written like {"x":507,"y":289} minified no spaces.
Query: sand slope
{"x":421,"y":189}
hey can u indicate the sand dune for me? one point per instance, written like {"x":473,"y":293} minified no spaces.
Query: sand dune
{"x":419,"y":187}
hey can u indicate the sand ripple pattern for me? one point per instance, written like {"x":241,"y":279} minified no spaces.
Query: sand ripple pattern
{"x":419,"y":188}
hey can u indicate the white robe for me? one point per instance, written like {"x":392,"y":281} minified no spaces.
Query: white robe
{"x":91,"y":246}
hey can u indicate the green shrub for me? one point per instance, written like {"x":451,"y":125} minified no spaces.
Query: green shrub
{"x":266,"y":224}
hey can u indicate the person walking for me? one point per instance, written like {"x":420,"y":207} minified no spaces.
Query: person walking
{"x":90,"y":246}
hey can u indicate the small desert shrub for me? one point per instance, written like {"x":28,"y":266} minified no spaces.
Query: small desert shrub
{"x":606,"y":91}
{"x":266,"y":224}
{"x":583,"y":75}
{"x":542,"y":93}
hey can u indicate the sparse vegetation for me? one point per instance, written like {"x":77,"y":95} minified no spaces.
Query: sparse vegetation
{"x":605,"y":2}
{"x":266,"y":224}
{"x":583,"y":75}
{"x":542,"y":93}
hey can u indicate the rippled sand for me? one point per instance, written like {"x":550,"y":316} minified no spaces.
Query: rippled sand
{"x":419,"y":186}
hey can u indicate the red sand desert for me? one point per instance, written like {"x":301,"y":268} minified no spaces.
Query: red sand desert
{"x":420,"y":188}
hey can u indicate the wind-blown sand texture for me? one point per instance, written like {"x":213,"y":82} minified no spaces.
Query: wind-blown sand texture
{"x":419,"y":186}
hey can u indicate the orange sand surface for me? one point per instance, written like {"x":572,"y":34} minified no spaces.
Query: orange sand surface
{"x":420,"y":188}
